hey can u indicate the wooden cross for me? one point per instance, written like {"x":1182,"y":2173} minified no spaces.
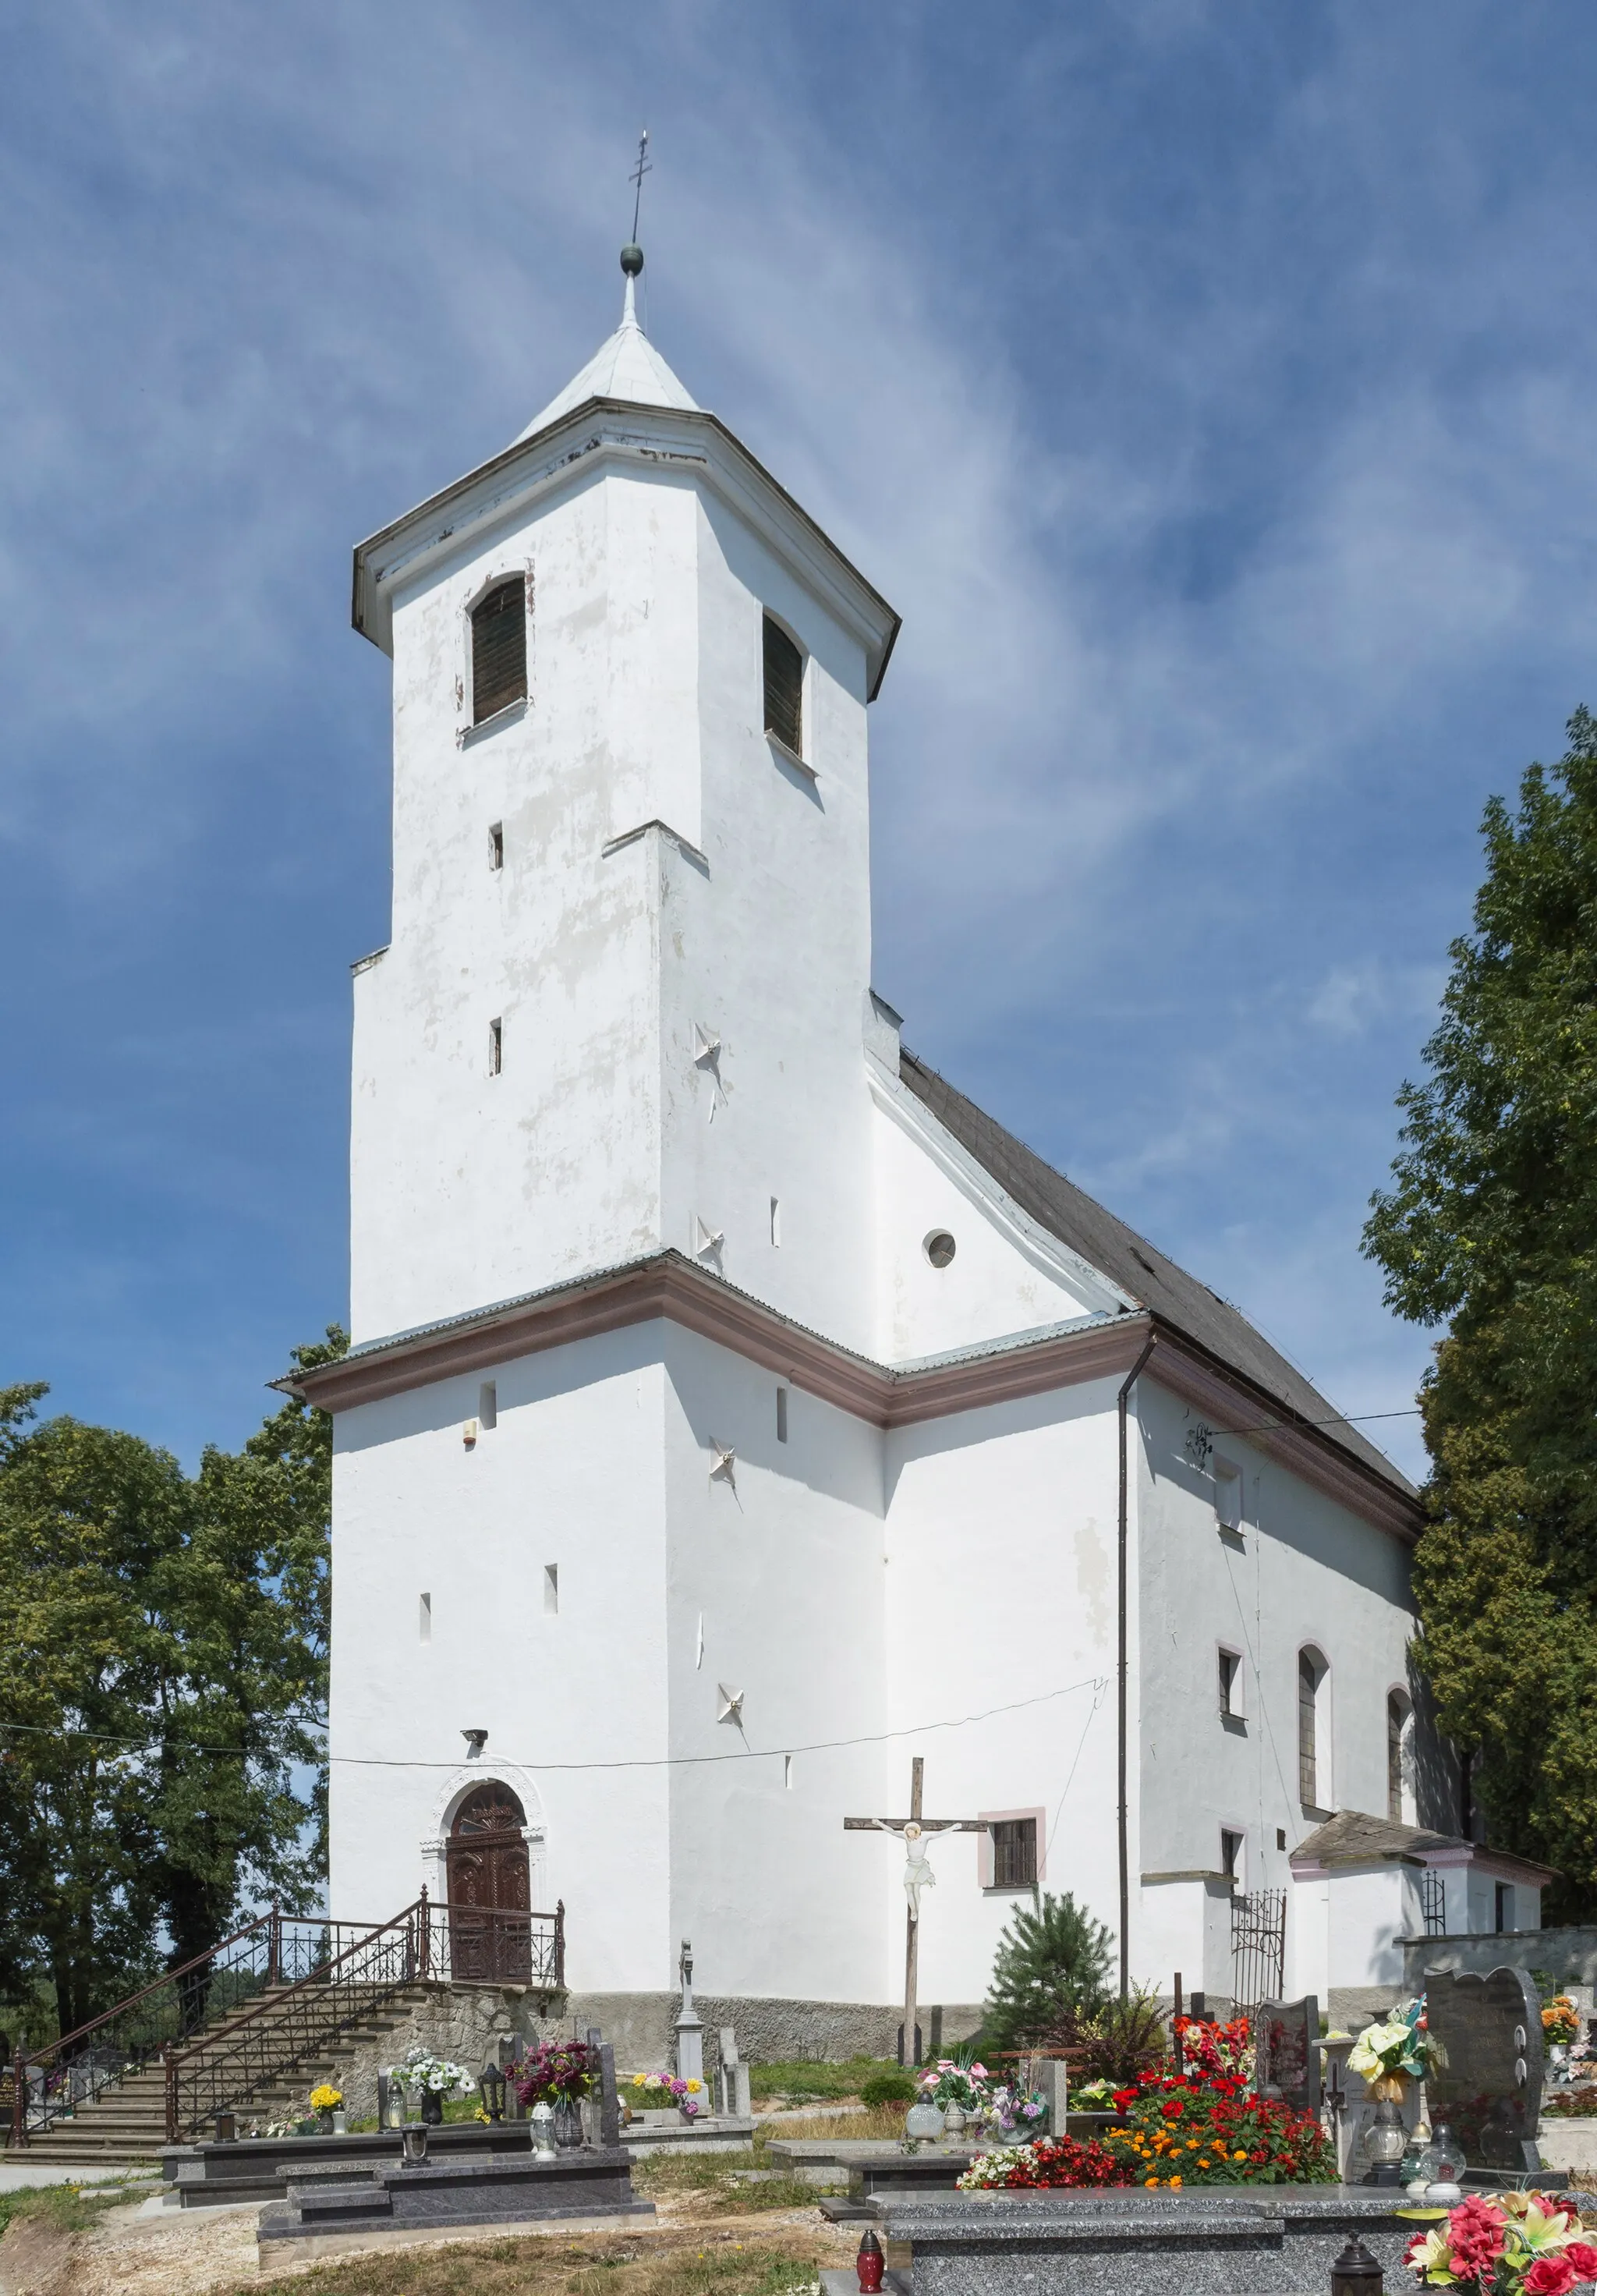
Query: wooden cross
{"x":917,"y":1875}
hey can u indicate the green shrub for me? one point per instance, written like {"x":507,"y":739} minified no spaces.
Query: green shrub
{"x":893,"y":2086}
{"x":1051,"y":1966}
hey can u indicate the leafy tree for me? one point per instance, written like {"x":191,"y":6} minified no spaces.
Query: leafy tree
{"x":1051,"y":1965}
{"x":162,"y":1671}
{"x":1491,"y":1229}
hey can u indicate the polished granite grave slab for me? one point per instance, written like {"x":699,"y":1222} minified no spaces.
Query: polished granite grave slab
{"x":1244,"y":2241}
{"x":260,"y":2167}
{"x":590,"y":2186}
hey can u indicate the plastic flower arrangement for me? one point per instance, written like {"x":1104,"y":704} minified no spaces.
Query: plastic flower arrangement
{"x":1010,"y":2108}
{"x":1392,"y":2046}
{"x":1508,"y":2243}
{"x":1198,"y":2127}
{"x":555,"y":2069}
{"x":325,"y":2098}
{"x":1215,"y":2052}
{"x":946,"y":2083}
{"x":418,"y":2068}
{"x":1561,"y":2020}
{"x":661,"y":2091}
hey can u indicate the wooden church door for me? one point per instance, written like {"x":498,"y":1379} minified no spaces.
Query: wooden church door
{"x":489,"y":1886}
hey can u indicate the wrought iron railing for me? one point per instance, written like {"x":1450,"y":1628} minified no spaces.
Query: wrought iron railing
{"x":1258,"y":1939}
{"x":1433,"y":1903}
{"x":225,"y":2070}
{"x":275,"y":1949}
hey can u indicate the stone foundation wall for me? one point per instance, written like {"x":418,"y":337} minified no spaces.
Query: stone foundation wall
{"x":475,"y":2023}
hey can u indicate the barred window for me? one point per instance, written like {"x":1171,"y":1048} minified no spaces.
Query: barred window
{"x":499,"y":649}
{"x":784,"y":688}
{"x":1015,"y":1853}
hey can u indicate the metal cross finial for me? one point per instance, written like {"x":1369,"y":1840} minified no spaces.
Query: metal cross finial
{"x":645,"y":166}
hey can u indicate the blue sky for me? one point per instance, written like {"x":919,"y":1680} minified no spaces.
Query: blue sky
{"x":1209,"y":386}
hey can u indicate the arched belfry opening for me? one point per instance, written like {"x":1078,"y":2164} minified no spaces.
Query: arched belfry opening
{"x":489,"y":1886}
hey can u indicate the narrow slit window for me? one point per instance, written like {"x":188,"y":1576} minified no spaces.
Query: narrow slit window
{"x":1231,"y":1853}
{"x":487,"y":1403}
{"x":1228,"y":1495}
{"x":499,"y":649}
{"x":784,"y":688}
{"x":775,"y":1222}
{"x":781,"y":1414}
{"x":551,"y":1587}
{"x":497,"y":846}
{"x":496,"y":1046}
{"x":1229,"y":1665}
{"x":1308,"y":1735}
{"x":424,"y":1619}
{"x":787,"y":1772}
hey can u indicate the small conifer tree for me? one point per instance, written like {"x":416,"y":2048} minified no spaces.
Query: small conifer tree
{"x":1052,"y":1966}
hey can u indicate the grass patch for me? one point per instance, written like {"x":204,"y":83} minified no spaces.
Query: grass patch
{"x":881,"y":2124}
{"x":713,"y":2264}
{"x":71,"y":2207}
{"x":800,"y":2078}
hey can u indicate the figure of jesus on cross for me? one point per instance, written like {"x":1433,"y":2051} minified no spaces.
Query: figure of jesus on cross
{"x":918,"y":1875}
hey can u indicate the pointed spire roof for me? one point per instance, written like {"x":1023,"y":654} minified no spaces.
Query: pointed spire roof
{"x":627,"y":365}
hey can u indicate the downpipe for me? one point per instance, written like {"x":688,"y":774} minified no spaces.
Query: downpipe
{"x":1122,"y":1402}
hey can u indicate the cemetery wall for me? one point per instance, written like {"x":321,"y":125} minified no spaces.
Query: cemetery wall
{"x":475,"y":2025}
{"x":1568,"y":1955}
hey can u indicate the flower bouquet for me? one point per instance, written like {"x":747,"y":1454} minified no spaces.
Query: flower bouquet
{"x":961,"y":2090}
{"x":660,"y":2091}
{"x":555,"y":2070}
{"x":1392,"y":2052}
{"x":325,"y":2101}
{"x":434,"y":2077}
{"x":1560,"y":2021}
{"x":1509,"y":2244}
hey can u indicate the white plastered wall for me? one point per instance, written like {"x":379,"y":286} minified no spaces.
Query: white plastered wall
{"x":571,"y":1474}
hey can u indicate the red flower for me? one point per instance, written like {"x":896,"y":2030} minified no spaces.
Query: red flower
{"x":1475,"y":2236}
{"x":1583,"y":2256}
{"x":1552,"y":2275}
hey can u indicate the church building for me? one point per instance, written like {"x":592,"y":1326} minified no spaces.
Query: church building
{"x":734,"y":1411}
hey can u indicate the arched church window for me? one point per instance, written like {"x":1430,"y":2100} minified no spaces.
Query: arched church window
{"x":499,"y":649}
{"x":1400,"y":1758}
{"x":1312,"y":1764}
{"x":784,"y":688}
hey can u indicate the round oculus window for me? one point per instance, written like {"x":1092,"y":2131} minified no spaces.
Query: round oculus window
{"x":940,"y":1247}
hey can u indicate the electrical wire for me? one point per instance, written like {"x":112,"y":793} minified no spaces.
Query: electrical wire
{"x":652,"y":1762}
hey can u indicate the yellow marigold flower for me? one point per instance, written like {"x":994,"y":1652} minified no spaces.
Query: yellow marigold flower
{"x":1151,"y":2180}
{"x":694,"y":2086}
{"x":1176,"y":2180}
{"x":1239,"y":2156}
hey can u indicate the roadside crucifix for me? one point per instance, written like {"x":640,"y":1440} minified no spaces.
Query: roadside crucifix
{"x":918,"y":1875}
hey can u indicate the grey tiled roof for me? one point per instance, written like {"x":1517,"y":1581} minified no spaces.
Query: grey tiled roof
{"x":1138,"y":1267}
{"x":1352,"y":1836}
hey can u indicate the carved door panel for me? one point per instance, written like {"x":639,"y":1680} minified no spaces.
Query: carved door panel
{"x":490,"y":1883}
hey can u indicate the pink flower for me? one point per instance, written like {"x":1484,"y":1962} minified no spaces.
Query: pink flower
{"x":1475,"y":2234}
{"x":1583,"y":2256}
{"x":1553,"y":2274}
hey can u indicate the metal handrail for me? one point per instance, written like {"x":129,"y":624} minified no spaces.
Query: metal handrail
{"x":223,"y":2069}
{"x":45,"y":2085}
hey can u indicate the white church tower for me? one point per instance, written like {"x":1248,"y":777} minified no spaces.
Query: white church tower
{"x":625,"y":904}
{"x":735,"y":1411}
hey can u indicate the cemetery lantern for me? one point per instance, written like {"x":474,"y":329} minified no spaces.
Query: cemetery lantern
{"x":1355,"y":2272}
{"x":868,"y":2264}
{"x":493,"y":2092}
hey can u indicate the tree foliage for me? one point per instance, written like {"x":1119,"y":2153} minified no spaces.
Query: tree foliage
{"x":162,"y":1681}
{"x":1491,"y":1229}
{"x":1052,"y":1965}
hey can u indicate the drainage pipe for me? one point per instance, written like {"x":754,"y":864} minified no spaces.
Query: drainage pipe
{"x":1121,"y":1403}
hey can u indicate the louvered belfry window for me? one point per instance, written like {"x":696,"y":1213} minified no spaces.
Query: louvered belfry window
{"x":784,"y":688}
{"x":499,"y":649}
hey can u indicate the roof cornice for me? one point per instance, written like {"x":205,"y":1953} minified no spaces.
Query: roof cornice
{"x":614,"y":431}
{"x":668,"y":1285}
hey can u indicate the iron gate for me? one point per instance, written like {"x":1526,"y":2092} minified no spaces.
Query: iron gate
{"x":1259,"y":1948}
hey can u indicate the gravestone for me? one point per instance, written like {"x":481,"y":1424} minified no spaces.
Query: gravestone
{"x":734,"y":2101}
{"x":689,"y":2024}
{"x":608,"y":2114}
{"x":1488,"y":2057}
{"x":1286,"y":2060}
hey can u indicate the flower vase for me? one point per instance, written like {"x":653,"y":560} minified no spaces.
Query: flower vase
{"x":1391,"y":2087}
{"x":326,"y":2121}
{"x":432,"y":2108}
{"x":953,"y":2120}
{"x":568,"y":2124}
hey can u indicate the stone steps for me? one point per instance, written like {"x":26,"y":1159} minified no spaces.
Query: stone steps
{"x":128,"y":2123}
